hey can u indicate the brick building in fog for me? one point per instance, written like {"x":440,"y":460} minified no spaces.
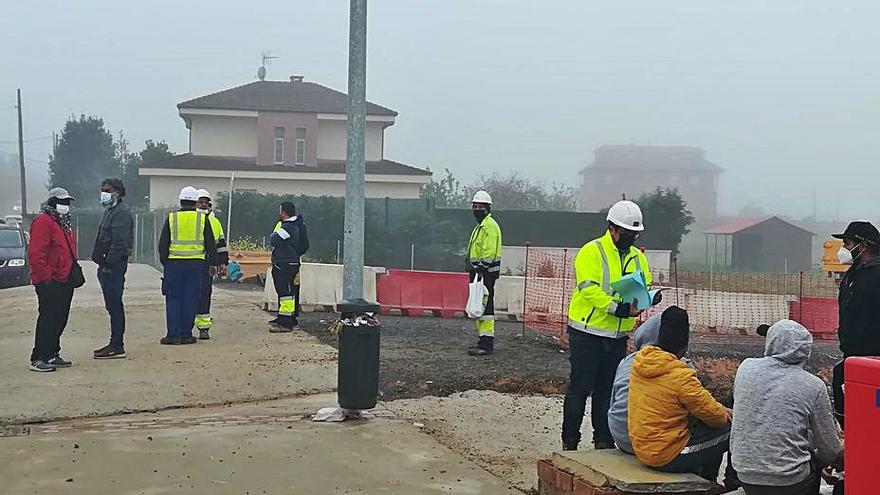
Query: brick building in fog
{"x":634,"y":170}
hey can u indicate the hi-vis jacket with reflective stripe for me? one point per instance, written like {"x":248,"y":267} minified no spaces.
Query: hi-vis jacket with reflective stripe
{"x":187,"y":236}
{"x":594,"y":302}
{"x":484,"y":248}
{"x":222,"y":248}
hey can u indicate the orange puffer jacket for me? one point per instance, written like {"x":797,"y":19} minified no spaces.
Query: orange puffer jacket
{"x":663,"y":393}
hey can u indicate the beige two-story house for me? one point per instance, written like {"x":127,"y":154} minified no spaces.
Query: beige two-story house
{"x":282,"y":137}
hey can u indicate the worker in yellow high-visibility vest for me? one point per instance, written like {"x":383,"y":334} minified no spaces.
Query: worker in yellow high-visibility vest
{"x":186,"y":246}
{"x":203,"y":317}
{"x":484,"y":261}
{"x":599,"y":323}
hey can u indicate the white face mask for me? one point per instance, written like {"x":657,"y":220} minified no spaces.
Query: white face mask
{"x":106,"y":198}
{"x":845,"y":256}
{"x":203,"y":210}
{"x":62,"y":209}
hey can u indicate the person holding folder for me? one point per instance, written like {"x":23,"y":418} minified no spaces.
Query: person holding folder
{"x":600,"y":322}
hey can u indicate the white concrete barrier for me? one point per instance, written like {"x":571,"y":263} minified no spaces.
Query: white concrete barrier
{"x":509,"y":295}
{"x":320,"y":285}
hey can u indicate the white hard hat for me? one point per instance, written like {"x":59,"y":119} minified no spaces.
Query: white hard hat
{"x":189,"y":193}
{"x":203,"y":193}
{"x":482,"y":197}
{"x":627,"y":215}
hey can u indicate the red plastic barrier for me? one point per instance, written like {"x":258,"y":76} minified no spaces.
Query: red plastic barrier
{"x":862,"y":416}
{"x":415,"y":292}
{"x":819,"y":315}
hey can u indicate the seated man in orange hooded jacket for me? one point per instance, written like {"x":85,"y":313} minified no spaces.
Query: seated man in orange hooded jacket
{"x":674,"y":423}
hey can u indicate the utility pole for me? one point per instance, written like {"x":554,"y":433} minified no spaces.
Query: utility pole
{"x":353,"y":257}
{"x":22,"y":176}
{"x":358,"y":372}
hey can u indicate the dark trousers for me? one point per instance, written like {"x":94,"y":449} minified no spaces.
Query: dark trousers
{"x":296,"y":286}
{"x":489,"y":280}
{"x":112,"y":282}
{"x":182,"y":286}
{"x":837,"y":381}
{"x":53,"y":299}
{"x":703,"y":453}
{"x":283,"y":278}
{"x":809,"y":486}
{"x":206,"y":292}
{"x":594,"y":362}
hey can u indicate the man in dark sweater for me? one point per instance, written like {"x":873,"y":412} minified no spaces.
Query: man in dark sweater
{"x":858,"y":300}
{"x":112,"y":248}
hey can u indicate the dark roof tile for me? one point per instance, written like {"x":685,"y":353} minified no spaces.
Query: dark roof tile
{"x":281,"y":96}
{"x":201,"y":162}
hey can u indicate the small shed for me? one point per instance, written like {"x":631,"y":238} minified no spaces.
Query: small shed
{"x":768,"y":244}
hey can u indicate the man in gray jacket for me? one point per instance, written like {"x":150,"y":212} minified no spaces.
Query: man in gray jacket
{"x":112,"y":249}
{"x":783,"y":430}
{"x":646,"y":334}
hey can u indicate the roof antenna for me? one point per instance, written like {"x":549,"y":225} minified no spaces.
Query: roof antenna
{"x":261,"y":72}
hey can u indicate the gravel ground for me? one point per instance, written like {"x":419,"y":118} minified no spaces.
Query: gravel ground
{"x":427,"y":356}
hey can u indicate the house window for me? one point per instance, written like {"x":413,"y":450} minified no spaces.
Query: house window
{"x":279,"y":146}
{"x":300,"y":146}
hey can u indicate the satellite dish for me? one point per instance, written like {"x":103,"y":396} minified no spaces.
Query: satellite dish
{"x":261,"y":73}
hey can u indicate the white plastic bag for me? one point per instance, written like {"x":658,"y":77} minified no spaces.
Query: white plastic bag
{"x":476,"y":292}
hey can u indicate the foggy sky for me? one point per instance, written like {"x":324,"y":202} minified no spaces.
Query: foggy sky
{"x":785,"y":97}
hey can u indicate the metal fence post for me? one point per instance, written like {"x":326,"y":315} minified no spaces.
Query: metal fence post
{"x":525,"y":288}
{"x":801,"y":299}
{"x":675,"y":276}
{"x":562,"y":309}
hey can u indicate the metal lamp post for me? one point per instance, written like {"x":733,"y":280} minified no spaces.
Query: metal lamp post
{"x":358,"y":377}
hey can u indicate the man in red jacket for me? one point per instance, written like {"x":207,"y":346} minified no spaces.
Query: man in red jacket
{"x":51,"y":254}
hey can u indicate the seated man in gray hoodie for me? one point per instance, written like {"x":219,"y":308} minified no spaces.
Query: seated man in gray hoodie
{"x":783,"y":430}
{"x":646,"y":334}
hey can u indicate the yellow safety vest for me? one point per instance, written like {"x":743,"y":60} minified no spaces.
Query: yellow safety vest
{"x":217,"y":230}
{"x":597,"y":264}
{"x":187,"y":235}
{"x":484,"y":248}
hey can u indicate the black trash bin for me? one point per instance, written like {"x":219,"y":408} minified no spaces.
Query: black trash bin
{"x":358,"y":377}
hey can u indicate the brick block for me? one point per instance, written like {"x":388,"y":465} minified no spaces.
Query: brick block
{"x":553,"y":481}
{"x":584,"y":488}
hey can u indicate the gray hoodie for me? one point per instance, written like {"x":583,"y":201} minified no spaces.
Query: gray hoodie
{"x":782,"y":414}
{"x":646,"y":334}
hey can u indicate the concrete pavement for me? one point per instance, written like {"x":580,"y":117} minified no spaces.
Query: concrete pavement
{"x":252,"y":448}
{"x":242,"y":443}
{"x":242,"y":361}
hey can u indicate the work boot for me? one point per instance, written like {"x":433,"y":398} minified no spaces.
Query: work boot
{"x":274,"y":321}
{"x":485,"y":347}
{"x":59,"y":362}
{"x":189,"y":339}
{"x":109,"y":352}
{"x":204,"y":335}
{"x":569,"y":445}
{"x":170,"y":341}
{"x":280,"y":328}
{"x":603,"y":445}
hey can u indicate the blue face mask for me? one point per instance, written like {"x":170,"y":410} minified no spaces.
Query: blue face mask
{"x":106,"y":198}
